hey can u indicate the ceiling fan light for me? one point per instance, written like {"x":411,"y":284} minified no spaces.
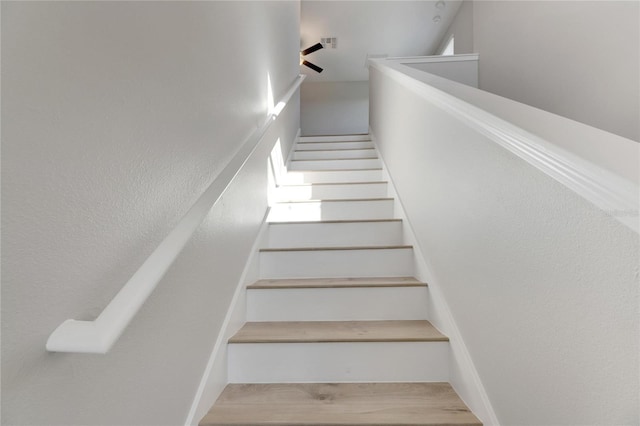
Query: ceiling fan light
{"x":312,"y":66}
{"x":312,"y":49}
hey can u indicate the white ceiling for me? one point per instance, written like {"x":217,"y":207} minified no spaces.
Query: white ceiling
{"x":395,"y":28}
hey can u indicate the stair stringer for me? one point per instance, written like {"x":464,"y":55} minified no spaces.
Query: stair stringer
{"x":463,"y":376}
{"x":215,"y":376}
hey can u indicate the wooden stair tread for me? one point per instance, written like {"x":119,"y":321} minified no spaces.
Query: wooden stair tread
{"x":306,"y":222}
{"x":330,"y":141}
{"x":337,"y":283}
{"x":339,"y":159}
{"x":343,"y":135}
{"x":337,"y":200}
{"x":334,"y":150}
{"x":392,"y":247}
{"x":288,"y":404}
{"x":302,"y":142}
{"x":377,"y":182}
{"x":338,"y":331}
{"x":333,"y":170}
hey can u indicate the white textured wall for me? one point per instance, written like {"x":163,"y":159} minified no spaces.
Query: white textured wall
{"x":116,"y":116}
{"x":334,"y":108}
{"x":542,"y":285}
{"x":579,"y":59}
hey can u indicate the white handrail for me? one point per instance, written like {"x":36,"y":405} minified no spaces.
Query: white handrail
{"x":99,"y":335}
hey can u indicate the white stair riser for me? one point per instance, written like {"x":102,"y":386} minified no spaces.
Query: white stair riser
{"x":336,"y":138}
{"x":331,"y":176}
{"x":331,"y":210}
{"x":333,"y":145}
{"x":337,"y":263}
{"x":337,"y":304}
{"x":325,"y":155}
{"x":334,"y":234}
{"x":331,"y":192}
{"x":368,"y":163}
{"x":339,"y":362}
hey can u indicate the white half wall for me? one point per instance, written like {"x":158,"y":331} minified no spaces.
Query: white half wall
{"x":460,"y":68}
{"x":578,"y":59}
{"x":542,"y":284}
{"x":334,"y":108}
{"x":117,"y":115}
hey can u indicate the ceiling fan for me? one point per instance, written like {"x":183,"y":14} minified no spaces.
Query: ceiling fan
{"x":308,"y":50}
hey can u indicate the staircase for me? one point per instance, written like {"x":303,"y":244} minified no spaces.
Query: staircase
{"x":337,"y":330}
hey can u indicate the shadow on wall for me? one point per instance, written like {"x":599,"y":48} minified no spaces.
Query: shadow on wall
{"x":334,"y":108}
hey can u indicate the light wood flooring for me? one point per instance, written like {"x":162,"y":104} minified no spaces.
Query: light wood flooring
{"x":337,"y":283}
{"x":288,"y":404}
{"x":338,"y":331}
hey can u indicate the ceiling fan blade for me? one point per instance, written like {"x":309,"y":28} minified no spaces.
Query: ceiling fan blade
{"x":312,"y":49}
{"x":312,"y":66}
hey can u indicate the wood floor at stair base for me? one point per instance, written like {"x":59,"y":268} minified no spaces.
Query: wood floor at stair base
{"x":363,"y":404}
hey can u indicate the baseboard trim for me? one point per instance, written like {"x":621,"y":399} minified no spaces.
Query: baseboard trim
{"x":214,"y":378}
